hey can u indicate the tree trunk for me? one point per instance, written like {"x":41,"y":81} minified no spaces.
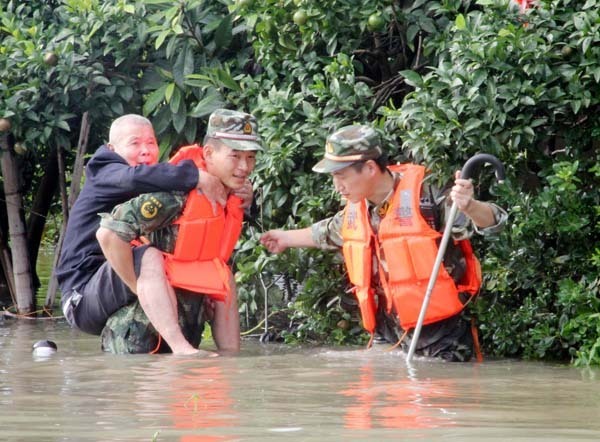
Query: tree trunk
{"x":84,"y":135}
{"x":16,"y":229}
{"x":40,"y":208}
{"x":7,"y":270}
{"x":8,"y":296}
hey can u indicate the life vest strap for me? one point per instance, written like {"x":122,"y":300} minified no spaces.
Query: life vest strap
{"x":399,"y":341}
{"x":476,"y":346}
{"x":158,"y":343}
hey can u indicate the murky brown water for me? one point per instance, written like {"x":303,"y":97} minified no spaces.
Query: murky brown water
{"x":276,"y":393}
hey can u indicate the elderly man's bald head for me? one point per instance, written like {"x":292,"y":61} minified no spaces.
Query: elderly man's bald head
{"x":132,"y":137}
{"x":124,"y":123}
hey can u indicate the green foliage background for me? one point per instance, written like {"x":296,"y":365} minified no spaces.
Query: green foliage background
{"x":441,"y":80}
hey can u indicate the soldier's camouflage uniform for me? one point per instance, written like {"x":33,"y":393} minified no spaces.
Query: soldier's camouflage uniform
{"x":150,"y":215}
{"x":449,"y":339}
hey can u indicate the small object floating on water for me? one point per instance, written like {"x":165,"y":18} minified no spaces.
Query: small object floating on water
{"x":270,"y":336}
{"x":44,"y":348}
{"x":285,"y":429}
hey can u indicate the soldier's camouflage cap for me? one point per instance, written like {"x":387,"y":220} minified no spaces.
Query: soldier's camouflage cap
{"x":235,"y":129}
{"x":348,"y":145}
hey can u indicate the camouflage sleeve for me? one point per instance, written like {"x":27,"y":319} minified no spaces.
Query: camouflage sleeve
{"x":144,"y":214}
{"x":327,"y":233}
{"x":500,"y":216}
{"x":463,"y":227}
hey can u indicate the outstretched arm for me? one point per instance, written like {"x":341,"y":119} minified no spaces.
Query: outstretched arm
{"x":277,"y":241}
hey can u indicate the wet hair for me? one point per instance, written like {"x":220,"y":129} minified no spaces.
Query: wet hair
{"x":381,"y":161}
{"x":126,"y":119}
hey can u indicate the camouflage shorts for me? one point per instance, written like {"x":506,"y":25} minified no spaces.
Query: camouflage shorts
{"x":128,"y":330}
{"x":450,"y":339}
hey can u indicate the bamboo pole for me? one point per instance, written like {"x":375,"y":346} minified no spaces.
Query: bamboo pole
{"x":67,"y":203}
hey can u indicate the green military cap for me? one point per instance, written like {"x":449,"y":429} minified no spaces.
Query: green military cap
{"x":348,"y":145}
{"x":238,"y":130}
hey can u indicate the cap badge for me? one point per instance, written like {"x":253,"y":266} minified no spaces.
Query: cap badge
{"x":247,"y":128}
{"x":329,"y":147}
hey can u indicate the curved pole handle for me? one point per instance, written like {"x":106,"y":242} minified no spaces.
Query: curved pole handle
{"x":469,"y":167}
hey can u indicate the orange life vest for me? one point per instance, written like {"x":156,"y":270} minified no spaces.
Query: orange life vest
{"x":205,"y":240}
{"x":409,"y":246}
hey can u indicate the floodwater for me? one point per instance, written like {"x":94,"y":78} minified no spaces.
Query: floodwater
{"x":278,"y":393}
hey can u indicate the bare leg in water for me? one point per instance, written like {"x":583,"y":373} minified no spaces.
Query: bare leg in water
{"x":159,"y":302}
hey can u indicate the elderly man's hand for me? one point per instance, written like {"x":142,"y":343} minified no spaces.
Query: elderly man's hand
{"x":212,"y":188}
{"x":246,"y":194}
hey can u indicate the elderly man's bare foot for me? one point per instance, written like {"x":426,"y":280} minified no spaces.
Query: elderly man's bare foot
{"x":207,"y":354}
{"x":195,"y":351}
{"x":185,"y":350}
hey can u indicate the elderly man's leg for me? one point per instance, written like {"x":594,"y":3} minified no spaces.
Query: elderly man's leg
{"x":226,"y":322}
{"x":158,"y":300}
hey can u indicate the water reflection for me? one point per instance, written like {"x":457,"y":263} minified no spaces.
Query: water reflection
{"x":274,"y":393}
{"x":407,"y":403}
{"x":194,"y":399}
